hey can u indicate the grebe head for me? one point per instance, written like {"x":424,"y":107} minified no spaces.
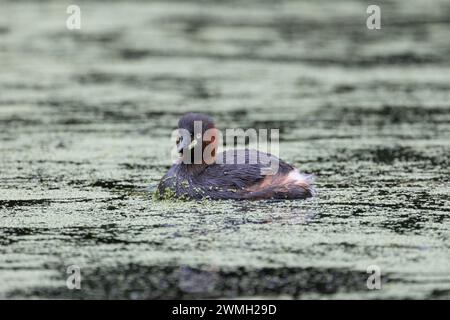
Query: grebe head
{"x":197,"y":139}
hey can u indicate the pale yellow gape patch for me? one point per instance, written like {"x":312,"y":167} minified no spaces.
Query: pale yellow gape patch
{"x":194,"y":142}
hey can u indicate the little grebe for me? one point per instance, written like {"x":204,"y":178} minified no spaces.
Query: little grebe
{"x":228,"y":175}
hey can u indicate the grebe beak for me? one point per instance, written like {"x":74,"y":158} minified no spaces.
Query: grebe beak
{"x":192,"y":144}
{"x":181,"y":145}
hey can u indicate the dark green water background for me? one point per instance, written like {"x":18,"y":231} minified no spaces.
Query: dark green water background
{"x":85,"y":123}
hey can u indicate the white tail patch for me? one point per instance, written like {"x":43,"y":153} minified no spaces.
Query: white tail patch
{"x":304,"y":180}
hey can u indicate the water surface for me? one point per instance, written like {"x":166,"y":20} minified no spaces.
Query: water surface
{"x":85,"y":123}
